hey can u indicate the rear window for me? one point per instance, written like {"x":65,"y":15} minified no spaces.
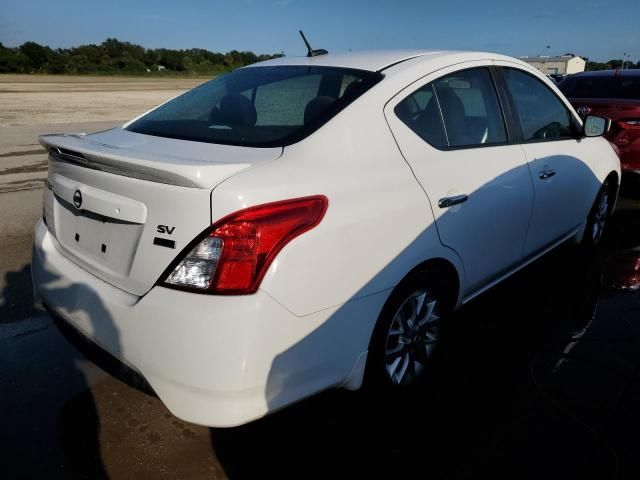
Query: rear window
{"x":622,"y":86}
{"x":258,"y":106}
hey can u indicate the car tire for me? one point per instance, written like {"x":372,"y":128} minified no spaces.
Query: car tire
{"x":599,"y":216}
{"x":406,"y":337}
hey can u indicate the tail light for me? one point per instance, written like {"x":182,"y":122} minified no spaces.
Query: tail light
{"x":236,"y":251}
{"x":629,"y":132}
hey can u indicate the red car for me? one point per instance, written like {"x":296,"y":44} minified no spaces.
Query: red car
{"x":614,"y":94}
{"x":623,"y":271}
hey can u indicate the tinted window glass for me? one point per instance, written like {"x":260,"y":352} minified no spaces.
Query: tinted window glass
{"x":630,"y":87}
{"x":585,"y":87}
{"x":348,"y":82}
{"x":468,"y":103}
{"x":420,"y":112}
{"x":301,"y":90}
{"x":470,"y":108}
{"x":609,"y":86}
{"x":258,"y":106}
{"x":541,"y":113}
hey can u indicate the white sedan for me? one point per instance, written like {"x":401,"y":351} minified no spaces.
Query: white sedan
{"x":307,"y":223}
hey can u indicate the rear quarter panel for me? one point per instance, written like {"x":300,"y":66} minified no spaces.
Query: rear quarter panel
{"x":378,"y":225}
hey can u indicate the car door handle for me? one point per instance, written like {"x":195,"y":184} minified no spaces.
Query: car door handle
{"x":451,"y":201}
{"x":546,"y":174}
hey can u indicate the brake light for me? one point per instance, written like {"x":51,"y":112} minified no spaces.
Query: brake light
{"x":237,"y":251}
{"x":629,"y":132}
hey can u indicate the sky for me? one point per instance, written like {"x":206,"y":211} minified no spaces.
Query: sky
{"x":598,"y":29}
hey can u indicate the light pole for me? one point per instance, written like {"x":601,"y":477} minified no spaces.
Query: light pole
{"x":546,"y":63}
{"x":624,"y":56}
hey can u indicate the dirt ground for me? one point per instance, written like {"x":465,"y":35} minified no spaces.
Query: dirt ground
{"x":32,"y":105}
{"x":46,"y":99}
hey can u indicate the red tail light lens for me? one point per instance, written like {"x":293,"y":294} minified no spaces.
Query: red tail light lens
{"x":629,"y":132}
{"x":237,"y":251}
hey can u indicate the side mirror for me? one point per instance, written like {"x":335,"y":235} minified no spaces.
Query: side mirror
{"x":595,"y":126}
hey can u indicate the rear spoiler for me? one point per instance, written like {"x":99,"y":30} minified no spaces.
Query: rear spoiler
{"x":79,"y":150}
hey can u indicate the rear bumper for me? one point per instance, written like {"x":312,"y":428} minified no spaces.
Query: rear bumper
{"x":99,"y":356}
{"x":213,"y":360}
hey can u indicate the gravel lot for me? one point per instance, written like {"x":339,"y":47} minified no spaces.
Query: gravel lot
{"x":45,"y":99}
{"x":31,"y":105}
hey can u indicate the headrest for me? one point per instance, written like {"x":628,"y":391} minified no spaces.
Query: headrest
{"x":352,"y":88}
{"x":450,"y":103}
{"x":236,"y":110}
{"x":316,"y":106}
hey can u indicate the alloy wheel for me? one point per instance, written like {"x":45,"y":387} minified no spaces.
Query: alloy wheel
{"x":600,"y":217}
{"x":412,"y":337}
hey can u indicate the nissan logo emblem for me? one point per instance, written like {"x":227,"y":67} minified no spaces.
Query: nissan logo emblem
{"x":584,"y":110}
{"x":77,"y":198}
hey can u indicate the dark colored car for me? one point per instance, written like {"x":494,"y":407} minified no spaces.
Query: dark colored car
{"x":558,"y":77}
{"x":614,"y":94}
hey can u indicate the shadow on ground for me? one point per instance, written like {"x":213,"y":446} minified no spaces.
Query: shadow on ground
{"x":17,"y":296}
{"x":45,"y":381}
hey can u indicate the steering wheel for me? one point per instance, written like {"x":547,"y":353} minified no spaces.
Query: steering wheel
{"x":553,"y":130}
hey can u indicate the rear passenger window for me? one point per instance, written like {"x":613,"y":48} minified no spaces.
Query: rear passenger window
{"x":468,"y":104}
{"x":420,"y":112}
{"x":470,"y":108}
{"x":542,"y":114}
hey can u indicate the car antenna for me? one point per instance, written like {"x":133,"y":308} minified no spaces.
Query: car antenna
{"x":310,"y":51}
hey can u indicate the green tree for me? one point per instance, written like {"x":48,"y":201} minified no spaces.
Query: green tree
{"x":614,"y":63}
{"x":92,"y":52}
{"x":57,"y":62}
{"x":78,"y":64}
{"x":114,"y":56}
{"x":11,"y":60}
{"x":36,"y":53}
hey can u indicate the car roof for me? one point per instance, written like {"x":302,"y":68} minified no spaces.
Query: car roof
{"x":401,"y":67}
{"x":362,"y":60}
{"x":629,"y":72}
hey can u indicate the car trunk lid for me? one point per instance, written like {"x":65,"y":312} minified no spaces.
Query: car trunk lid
{"x":122,"y":205}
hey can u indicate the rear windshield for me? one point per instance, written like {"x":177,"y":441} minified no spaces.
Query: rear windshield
{"x":258,"y":106}
{"x":622,"y":86}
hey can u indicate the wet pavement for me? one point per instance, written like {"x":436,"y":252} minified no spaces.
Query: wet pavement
{"x":538,"y":378}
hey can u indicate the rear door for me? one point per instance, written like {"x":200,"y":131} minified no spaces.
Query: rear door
{"x":559,"y":160}
{"x":452,"y":131}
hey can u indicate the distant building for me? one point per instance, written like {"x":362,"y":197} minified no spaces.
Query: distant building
{"x":565,"y":64}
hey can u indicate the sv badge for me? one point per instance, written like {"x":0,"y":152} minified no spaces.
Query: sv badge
{"x":165,"y":229}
